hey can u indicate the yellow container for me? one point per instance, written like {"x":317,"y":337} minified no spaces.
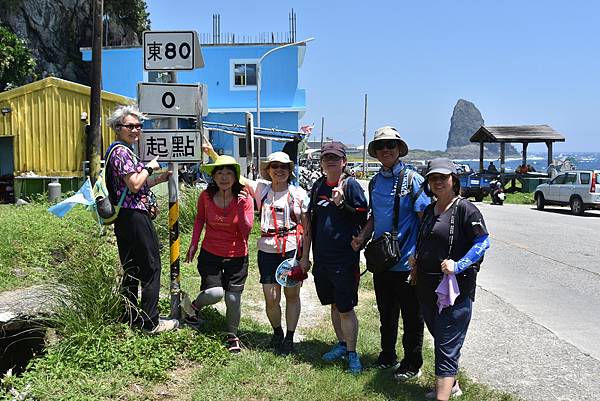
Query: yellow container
{"x":47,"y":120}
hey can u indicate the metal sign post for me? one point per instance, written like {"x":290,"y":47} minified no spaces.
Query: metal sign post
{"x":172,"y":51}
{"x":250,"y":171}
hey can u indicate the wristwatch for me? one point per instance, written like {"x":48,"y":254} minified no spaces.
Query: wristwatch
{"x":149,"y":170}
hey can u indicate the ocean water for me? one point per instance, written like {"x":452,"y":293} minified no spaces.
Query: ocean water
{"x":581,"y":160}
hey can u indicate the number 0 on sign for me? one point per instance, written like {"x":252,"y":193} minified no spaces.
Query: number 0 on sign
{"x":183,"y":100}
{"x":171,"y":51}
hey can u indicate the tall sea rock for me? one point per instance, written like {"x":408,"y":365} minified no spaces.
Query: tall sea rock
{"x":465,"y":121}
{"x":55,"y":30}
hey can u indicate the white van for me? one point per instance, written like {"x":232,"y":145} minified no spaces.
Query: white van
{"x":372,"y":168}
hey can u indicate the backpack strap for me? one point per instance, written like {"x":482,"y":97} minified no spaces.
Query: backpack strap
{"x":108,"y":177}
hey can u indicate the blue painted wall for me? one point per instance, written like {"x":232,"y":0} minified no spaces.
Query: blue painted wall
{"x":122,"y":69}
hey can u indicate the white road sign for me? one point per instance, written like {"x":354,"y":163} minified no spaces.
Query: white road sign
{"x":171,"y":51}
{"x":172,"y":100}
{"x":170,"y":145}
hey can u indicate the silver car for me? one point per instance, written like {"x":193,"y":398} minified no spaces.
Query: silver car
{"x":580,"y":190}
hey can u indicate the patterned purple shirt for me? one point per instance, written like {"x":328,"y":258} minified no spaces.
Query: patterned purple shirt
{"x":122,"y":162}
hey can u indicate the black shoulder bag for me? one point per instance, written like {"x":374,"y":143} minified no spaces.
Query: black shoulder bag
{"x":383,"y":253}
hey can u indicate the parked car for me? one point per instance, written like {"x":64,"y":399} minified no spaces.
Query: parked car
{"x":580,"y":190}
{"x":372,"y":168}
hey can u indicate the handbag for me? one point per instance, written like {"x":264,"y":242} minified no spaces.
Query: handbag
{"x":383,"y":253}
{"x":151,"y":204}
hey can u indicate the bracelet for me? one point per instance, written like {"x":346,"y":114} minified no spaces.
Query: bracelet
{"x":150,"y":170}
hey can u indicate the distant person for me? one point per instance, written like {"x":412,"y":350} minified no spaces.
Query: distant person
{"x":452,"y":241}
{"x":226,"y":212}
{"x":394,"y":295}
{"x":492,"y":168}
{"x":136,"y":238}
{"x":338,"y":210}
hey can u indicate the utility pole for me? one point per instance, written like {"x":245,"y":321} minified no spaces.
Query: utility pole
{"x":364,"y":169}
{"x":95,"y":131}
{"x":322,"y":128}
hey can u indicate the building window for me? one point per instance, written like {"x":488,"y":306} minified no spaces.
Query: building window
{"x":244,"y":74}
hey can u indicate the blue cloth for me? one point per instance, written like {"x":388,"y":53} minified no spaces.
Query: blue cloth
{"x":474,"y":255}
{"x":382,"y":207}
{"x":334,"y":227}
{"x":82,"y":197}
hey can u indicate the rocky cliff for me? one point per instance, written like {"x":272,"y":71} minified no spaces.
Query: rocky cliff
{"x":465,"y":121}
{"x":55,"y":31}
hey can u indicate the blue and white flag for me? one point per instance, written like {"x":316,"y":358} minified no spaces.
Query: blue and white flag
{"x":83,"y":197}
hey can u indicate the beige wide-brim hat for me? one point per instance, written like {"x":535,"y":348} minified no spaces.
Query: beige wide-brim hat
{"x":280,"y":157}
{"x":384,"y":133}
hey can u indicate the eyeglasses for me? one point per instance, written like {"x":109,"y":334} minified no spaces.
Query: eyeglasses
{"x":277,"y":165}
{"x":386,"y":143}
{"x":131,"y":127}
{"x":331,"y":157}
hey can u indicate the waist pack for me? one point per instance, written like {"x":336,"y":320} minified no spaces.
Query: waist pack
{"x":105,"y":210}
{"x":382,"y":253}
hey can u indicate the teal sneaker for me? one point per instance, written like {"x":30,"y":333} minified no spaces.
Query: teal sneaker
{"x":337,"y":352}
{"x":354,"y":365}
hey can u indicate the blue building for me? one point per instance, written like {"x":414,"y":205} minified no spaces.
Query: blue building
{"x":230,"y":75}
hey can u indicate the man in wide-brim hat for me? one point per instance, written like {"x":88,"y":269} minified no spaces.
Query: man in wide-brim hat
{"x":393,"y":293}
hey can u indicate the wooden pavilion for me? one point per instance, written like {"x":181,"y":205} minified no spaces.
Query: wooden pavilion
{"x":523,"y":134}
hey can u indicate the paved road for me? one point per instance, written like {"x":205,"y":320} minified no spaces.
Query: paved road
{"x":536,"y":325}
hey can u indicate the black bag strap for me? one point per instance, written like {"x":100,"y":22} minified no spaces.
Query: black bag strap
{"x":397,"y":203}
{"x":452,"y":225}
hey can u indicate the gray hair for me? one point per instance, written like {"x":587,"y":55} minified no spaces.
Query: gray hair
{"x":121,"y":112}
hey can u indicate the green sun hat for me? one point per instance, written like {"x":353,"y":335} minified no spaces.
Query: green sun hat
{"x":223,"y":160}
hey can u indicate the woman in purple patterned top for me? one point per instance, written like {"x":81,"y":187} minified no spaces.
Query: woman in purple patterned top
{"x":136,"y":238}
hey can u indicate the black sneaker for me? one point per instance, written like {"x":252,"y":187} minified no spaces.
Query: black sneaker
{"x":402,"y":374}
{"x":382,"y":364}
{"x":276,"y":342}
{"x":287,"y":347}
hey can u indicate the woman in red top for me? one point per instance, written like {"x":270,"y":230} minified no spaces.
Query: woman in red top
{"x":227,"y":212}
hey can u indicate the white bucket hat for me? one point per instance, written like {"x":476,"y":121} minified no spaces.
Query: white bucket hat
{"x":280,"y":157}
{"x":386,"y":133}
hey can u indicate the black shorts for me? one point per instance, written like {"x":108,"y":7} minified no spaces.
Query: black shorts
{"x":267,"y":265}
{"x":337,"y":284}
{"x":217,"y":271}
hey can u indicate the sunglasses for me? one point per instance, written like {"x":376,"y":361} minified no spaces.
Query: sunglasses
{"x":276,"y":166}
{"x":386,"y":143}
{"x":131,"y":127}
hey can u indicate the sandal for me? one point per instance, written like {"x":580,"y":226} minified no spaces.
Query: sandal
{"x":234,"y":346}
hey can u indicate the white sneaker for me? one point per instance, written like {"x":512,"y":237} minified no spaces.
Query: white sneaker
{"x":163,"y":326}
{"x":456,"y":392}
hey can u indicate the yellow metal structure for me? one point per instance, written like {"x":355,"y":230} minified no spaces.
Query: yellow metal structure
{"x":47,"y":120}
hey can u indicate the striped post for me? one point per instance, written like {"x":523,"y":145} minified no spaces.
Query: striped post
{"x":175,"y":287}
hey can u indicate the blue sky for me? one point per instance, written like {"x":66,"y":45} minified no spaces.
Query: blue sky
{"x":518,"y":61}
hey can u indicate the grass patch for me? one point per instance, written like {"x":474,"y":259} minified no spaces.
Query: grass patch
{"x":35,"y":242}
